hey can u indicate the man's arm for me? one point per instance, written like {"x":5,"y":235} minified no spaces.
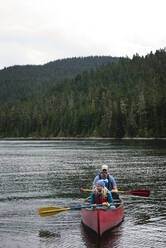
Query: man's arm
{"x":113,"y":183}
{"x":115,"y":189}
{"x":95,"y":181}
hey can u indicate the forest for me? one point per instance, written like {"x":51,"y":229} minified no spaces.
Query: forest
{"x":18,"y":82}
{"x":118,"y":98}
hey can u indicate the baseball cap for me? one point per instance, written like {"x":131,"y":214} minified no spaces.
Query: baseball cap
{"x":104,"y":166}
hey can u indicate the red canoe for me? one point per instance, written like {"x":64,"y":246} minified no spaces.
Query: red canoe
{"x":101,"y":220}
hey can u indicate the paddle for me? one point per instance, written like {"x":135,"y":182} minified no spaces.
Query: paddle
{"x":47,"y":211}
{"x":139,"y":192}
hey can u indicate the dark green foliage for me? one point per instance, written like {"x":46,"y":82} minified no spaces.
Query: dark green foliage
{"x":18,"y":82}
{"x":123,"y":99}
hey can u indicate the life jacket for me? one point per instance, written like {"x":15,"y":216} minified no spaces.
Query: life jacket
{"x":100,"y":198}
{"x":109,"y":184}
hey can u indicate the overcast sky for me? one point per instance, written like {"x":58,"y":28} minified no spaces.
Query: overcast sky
{"x":40,"y":31}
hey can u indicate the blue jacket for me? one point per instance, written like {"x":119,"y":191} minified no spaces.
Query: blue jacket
{"x":111,"y":181}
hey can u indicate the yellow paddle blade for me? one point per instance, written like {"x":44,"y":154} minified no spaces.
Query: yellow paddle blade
{"x":45,"y":214}
{"x":48,"y":211}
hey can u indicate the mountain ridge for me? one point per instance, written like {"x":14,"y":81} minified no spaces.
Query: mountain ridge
{"x":18,"y":81}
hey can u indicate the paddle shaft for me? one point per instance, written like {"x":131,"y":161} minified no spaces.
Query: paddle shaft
{"x":65,"y":209}
{"x":138,"y":192}
{"x":47,"y":211}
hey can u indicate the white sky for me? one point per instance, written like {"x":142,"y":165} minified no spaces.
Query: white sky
{"x":40,"y":31}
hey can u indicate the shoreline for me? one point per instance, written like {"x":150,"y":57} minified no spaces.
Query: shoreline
{"x":81,"y":138}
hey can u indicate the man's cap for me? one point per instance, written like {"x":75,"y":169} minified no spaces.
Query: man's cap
{"x":104,"y":166}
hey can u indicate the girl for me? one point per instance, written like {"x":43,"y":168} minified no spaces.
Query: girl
{"x":101,"y":195}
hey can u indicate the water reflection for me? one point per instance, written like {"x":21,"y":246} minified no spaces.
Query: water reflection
{"x":142,"y":219}
{"x":109,"y":239}
{"x":48,"y":238}
{"x":47,"y":234}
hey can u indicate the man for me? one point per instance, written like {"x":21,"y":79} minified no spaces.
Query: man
{"x":110,"y":183}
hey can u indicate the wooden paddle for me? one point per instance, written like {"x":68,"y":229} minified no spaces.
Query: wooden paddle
{"x":139,"y":192}
{"x":47,"y":211}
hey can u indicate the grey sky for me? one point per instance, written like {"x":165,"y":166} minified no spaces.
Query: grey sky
{"x":39,"y":31}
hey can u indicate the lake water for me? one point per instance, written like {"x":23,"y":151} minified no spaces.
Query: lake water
{"x":40,"y":173}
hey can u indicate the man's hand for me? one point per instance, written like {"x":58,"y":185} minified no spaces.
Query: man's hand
{"x":115,"y":189}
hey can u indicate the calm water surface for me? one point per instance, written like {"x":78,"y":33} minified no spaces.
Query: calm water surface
{"x":35,"y":174}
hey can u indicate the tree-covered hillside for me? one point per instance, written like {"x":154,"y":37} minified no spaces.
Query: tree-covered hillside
{"x":18,"y":82}
{"x":123,"y":99}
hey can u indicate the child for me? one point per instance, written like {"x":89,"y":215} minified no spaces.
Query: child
{"x":101,"y":195}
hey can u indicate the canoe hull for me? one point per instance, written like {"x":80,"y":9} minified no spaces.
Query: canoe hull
{"x":102,"y":220}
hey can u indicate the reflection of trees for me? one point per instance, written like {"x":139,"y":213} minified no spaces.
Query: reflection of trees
{"x":47,"y":234}
{"x":49,"y":238}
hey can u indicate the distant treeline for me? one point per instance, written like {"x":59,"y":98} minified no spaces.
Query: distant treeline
{"x":19,"y":82}
{"x":122,"y":99}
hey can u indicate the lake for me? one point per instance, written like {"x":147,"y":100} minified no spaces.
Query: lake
{"x":38,"y":173}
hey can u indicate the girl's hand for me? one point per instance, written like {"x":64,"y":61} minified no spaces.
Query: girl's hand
{"x":105,"y":204}
{"x":112,"y":207}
